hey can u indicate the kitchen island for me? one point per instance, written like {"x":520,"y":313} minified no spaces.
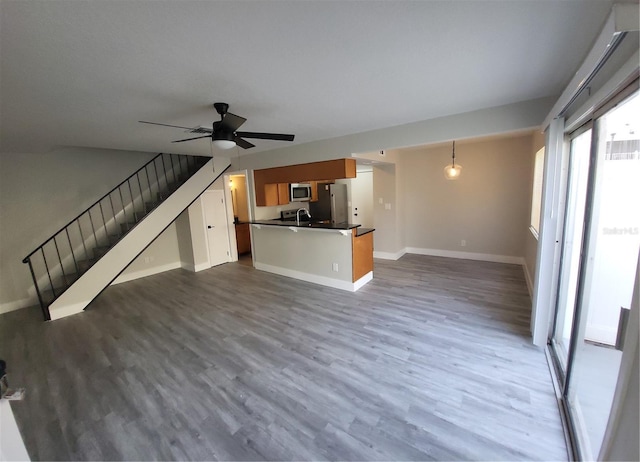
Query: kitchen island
{"x":333,"y":255}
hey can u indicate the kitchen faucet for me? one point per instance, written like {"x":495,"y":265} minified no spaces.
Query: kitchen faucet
{"x":298,"y":215}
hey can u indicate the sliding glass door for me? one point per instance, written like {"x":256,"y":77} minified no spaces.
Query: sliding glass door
{"x":598,"y":268}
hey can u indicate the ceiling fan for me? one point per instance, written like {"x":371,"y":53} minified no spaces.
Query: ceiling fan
{"x":224,"y":134}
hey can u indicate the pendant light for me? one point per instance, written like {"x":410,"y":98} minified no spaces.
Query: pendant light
{"x":453,"y":170}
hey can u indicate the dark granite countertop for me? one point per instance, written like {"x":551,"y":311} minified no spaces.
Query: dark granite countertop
{"x":362,"y":231}
{"x":306,"y":224}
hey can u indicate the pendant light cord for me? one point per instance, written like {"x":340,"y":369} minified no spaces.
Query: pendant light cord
{"x":453,"y":155}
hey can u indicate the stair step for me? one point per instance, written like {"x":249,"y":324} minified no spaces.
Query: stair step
{"x":151,"y":205}
{"x":84,"y":265}
{"x":125,"y":227}
{"x":98,"y":252}
{"x":139,"y":215}
{"x":170,"y":189}
{"x":62,"y":282}
{"x":113,"y":239}
{"x":48,"y":297}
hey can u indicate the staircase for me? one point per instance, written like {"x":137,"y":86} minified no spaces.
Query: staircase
{"x":74,"y":265}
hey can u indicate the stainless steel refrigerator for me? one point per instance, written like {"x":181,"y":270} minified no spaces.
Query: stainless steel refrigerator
{"x":331,"y":204}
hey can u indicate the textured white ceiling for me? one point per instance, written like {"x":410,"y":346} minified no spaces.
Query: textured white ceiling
{"x":83,"y":73}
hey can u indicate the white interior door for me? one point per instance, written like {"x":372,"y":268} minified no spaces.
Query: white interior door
{"x":362,"y":199}
{"x":215,"y":215}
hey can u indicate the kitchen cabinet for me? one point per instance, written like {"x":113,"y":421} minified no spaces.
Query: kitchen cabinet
{"x":243,"y":238}
{"x":362,"y":254}
{"x":267,"y":181}
{"x":276,"y":194}
{"x":314,"y":188}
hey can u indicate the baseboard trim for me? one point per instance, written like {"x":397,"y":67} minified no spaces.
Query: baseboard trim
{"x":314,"y":278}
{"x":467,"y":255}
{"x":7,"y":307}
{"x":389,"y":255}
{"x":195,"y":268}
{"x":362,"y":281}
{"x":125,"y":277}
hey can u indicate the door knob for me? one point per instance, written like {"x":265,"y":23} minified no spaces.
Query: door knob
{"x":209,"y":226}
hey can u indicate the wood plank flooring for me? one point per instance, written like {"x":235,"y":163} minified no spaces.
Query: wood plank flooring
{"x":432,"y":360}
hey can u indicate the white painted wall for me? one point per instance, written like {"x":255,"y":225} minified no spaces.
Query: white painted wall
{"x":491,"y":121}
{"x":78,"y":296}
{"x":162,"y":255}
{"x":308,"y":254}
{"x":487,"y":207}
{"x":386,"y":241}
{"x":42,"y":192}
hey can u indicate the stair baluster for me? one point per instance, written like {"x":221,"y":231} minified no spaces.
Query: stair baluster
{"x":54,"y":268}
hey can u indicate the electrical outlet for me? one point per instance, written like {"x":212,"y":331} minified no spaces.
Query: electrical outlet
{"x":380,"y":201}
{"x":463,"y":243}
{"x":387,"y":206}
{"x":334,"y":267}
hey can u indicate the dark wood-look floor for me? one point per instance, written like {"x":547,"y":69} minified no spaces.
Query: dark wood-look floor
{"x":430,"y":360}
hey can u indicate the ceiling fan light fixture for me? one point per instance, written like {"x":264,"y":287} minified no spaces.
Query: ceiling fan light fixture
{"x":453,"y":170}
{"x":224,"y":141}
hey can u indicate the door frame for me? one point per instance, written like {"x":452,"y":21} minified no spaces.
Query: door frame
{"x":206,"y":233}
{"x":229,"y":205}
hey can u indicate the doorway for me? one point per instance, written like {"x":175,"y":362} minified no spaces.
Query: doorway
{"x":215,"y":215}
{"x":601,"y":240}
{"x":239,"y":194}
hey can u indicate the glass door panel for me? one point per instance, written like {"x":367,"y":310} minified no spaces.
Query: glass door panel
{"x":607,"y":275}
{"x":571,"y":246}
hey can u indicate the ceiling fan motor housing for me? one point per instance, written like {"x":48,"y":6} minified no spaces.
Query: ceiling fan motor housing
{"x":221,"y":108}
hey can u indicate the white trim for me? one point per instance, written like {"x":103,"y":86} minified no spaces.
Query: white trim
{"x":528,"y":278}
{"x":67,"y":310}
{"x":467,"y":255}
{"x":622,"y":18}
{"x":389,"y":255}
{"x":314,"y":278}
{"x":195,"y":268}
{"x":6,"y":307}
{"x":552,"y":222}
{"x":534,"y":232}
{"x":11,"y":444}
{"x":362,"y":281}
{"x":143,"y":273}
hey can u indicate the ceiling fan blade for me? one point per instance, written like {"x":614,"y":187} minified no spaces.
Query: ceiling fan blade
{"x":164,"y":125}
{"x":243,"y":143}
{"x":266,"y":136}
{"x":189,"y":139}
{"x":231,"y":122}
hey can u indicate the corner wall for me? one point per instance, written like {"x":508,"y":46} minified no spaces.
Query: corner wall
{"x":42,"y":192}
{"x":487,"y":207}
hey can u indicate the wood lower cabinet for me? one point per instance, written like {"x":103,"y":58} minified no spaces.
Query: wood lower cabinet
{"x":362,"y":256}
{"x":243,"y":238}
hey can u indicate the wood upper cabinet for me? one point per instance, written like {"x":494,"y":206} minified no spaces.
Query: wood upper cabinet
{"x":283,"y":193}
{"x":276,"y":194}
{"x":268,"y":182}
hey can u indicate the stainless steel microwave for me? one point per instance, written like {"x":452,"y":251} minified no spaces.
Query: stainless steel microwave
{"x":300,"y":192}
